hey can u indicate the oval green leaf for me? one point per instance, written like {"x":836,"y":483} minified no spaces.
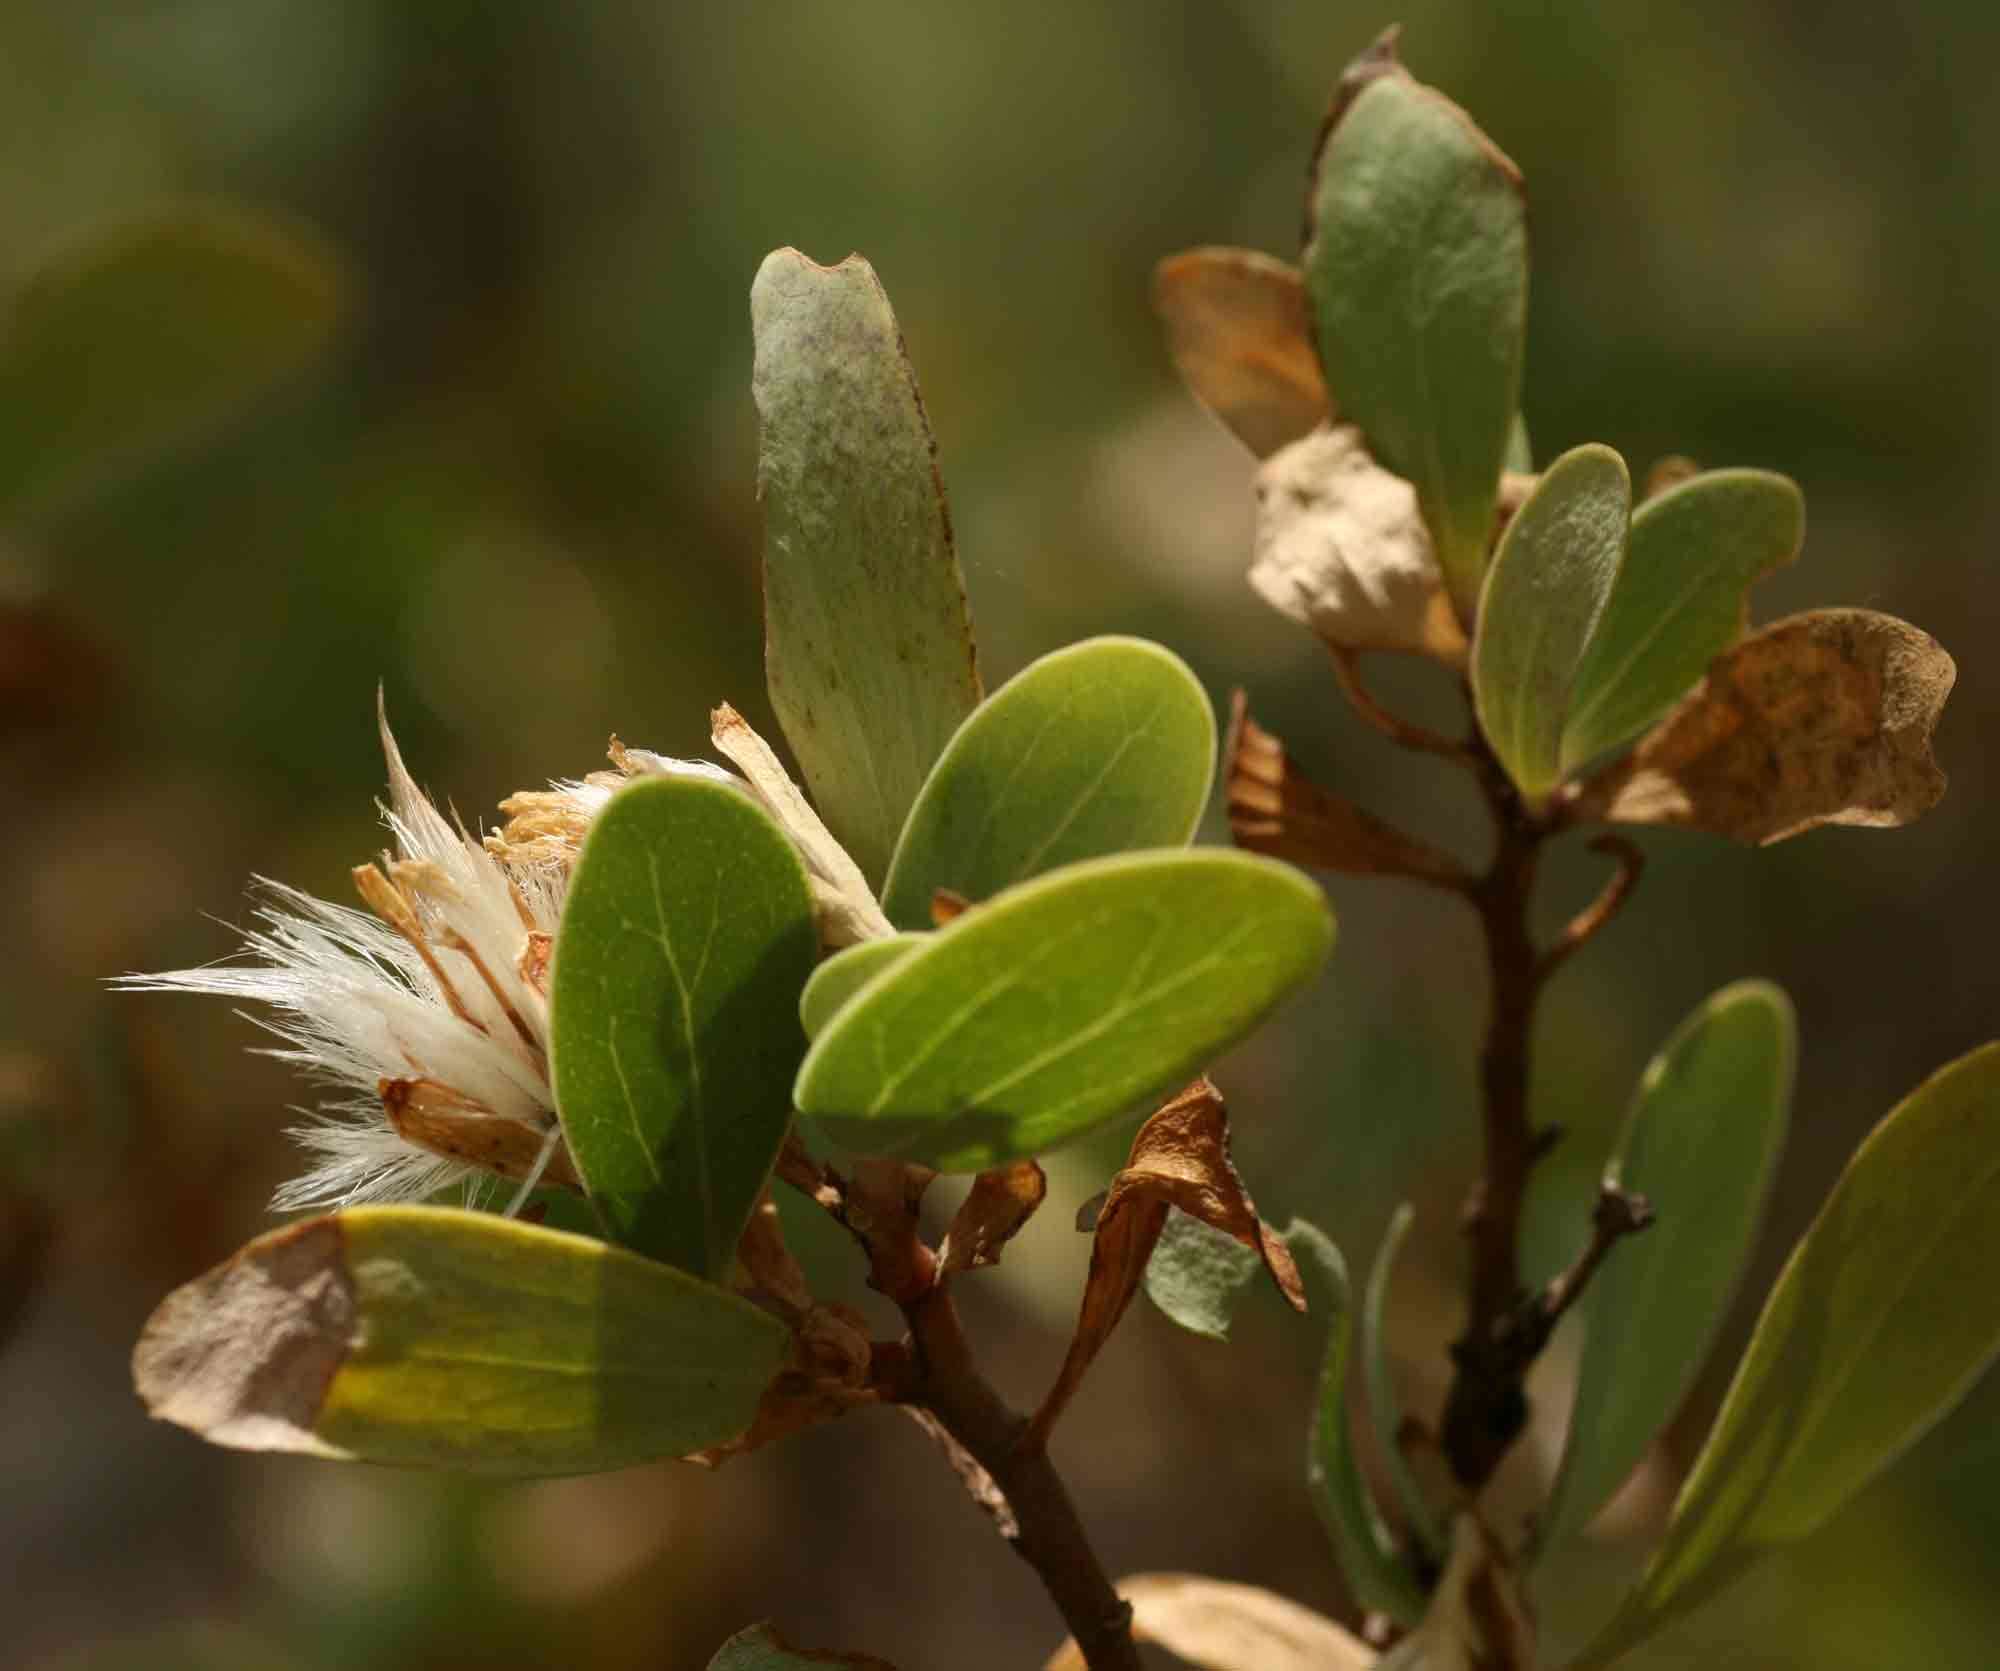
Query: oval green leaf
{"x":1362,"y":1543}
{"x":1882,"y":1319}
{"x":1417,"y":270}
{"x":1102,"y":747}
{"x":1680,"y":600}
{"x":145,"y":334}
{"x":1701,"y":1144}
{"x":846,"y":973}
{"x":1385,"y":1409}
{"x":1062,"y":1003}
{"x":686,"y":939}
{"x":1196,"y":1273}
{"x":867,"y":635}
{"x":427,"y":1336}
{"x":1555,"y":567}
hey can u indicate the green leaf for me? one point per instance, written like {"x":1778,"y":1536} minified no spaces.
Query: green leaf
{"x":1701,"y":1144}
{"x":1102,"y":747}
{"x":1520,"y":454}
{"x":1196,"y":1273}
{"x":1362,"y":1543}
{"x":1417,"y":270}
{"x":1385,"y":1409}
{"x":429,"y":1336}
{"x":1555,"y":567}
{"x":686,"y":938}
{"x":145,"y":334}
{"x":846,"y":973}
{"x":868,"y":638}
{"x":1680,"y":600}
{"x":1884,"y":1316}
{"x":1061,"y":1003}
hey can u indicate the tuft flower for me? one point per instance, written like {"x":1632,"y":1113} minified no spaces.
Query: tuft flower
{"x":425,"y":1017}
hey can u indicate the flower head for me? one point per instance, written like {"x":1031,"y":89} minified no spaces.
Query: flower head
{"x":425,"y":1017}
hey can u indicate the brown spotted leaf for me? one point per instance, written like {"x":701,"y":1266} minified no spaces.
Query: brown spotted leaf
{"x":1276,"y":809}
{"x":1180,"y":1158}
{"x":1229,"y":1627}
{"x":1821,"y":718}
{"x":1341,"y":547}
{"x":1239,"y":331}
{"x":993,"y":1211}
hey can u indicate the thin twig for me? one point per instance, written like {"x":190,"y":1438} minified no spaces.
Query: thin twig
{"x":1402,"y":732}
{"x":1619,"y":1214}
{"x":1593,"y":917}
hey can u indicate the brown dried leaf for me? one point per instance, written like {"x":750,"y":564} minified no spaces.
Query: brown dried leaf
{"x":1276,"y":809}
{"x":1821,"y":718}
{"x":947,"y":905}
{"x":826,"y":1376}
{"x":994,"y":1209}
{"x":1180,"y":1158}
{"x":1229,"y":1627}
{"x":1341,"y":548}
{"x":1240,"y":335}
{"x":761,"y":1648}
{"x":1478,"y":1620}
{"x":768,"y":1262}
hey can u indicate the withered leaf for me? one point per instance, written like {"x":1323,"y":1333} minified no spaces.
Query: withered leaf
{"x":1276,"y":809}
{"x":1238,"y":329}
{"x":1821,"y":718}
{"x":442,"y":1121}
{"x":1342,"y":548}
{"x":994,"y":1209}
{"x":1180,"y":1158}
{"x":1229,"y":1627}
{"x":761,"y":1648}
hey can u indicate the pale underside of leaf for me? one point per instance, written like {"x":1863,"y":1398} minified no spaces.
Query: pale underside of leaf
{"x":868,"y":637}
{"x":1342,"y":549}
{"x":1821,"y":718}
{"x":1061,"y":1003}
{"x":1881,"y":1321}
{"x":1219,"y":1626}
{"x":1240,"y":333}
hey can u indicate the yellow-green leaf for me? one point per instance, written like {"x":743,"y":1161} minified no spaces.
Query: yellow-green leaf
{"x":1099,"y":747}
{"x":846,"y":973}
{"x":1883,"y":1317}
{"x":427,"y":1336}
{"x":1061,"y":1003}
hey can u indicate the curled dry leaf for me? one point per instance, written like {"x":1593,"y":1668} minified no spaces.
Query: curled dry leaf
{"x":993,"y":1211}
{"x":843,"y":902}
{"x":1341,"y":548}
{"x":761,"y":1648}
{"x":1229,"y":1627}
{"x":1477,"y":1619}
{"x":1180,"y":1158}
{"x":1276,"y":809}
{"x":1821,"y":718}
{"x":1239,"y":330}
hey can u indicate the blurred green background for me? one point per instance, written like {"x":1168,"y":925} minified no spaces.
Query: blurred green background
{"x":518,"y":492}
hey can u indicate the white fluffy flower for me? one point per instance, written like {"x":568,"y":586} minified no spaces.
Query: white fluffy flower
{"x":427,"y":1020}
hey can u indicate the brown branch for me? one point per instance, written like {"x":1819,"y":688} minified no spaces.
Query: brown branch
{"x":1404,"y":733}
{"x":933,"y":1374}
{"x":1593,"y":917}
